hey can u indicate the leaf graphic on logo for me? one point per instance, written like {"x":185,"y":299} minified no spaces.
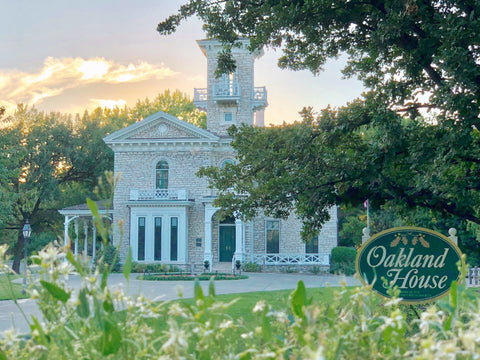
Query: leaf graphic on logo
{"x":423,"y":242}
{"x":414,"y":241}
{"x":404,"y":240}
{"x":395,"y":241}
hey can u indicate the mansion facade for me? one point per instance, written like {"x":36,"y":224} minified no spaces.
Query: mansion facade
{"x":165,"y":213}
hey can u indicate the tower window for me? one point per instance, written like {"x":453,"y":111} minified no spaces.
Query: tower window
{"x":228,"y":117}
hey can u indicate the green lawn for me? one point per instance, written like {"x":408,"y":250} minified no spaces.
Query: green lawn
{"x":278,"y":300}
{"x":6,"y":289}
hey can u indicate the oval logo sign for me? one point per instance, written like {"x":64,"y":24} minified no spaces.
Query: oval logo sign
{"x":420,"y":262}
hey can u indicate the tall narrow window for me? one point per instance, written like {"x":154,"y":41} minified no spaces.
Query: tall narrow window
{"x":162,"y":175}
{"x":273,"y":236}
{"x":173,"y":239}
{"x":158,"y":239}
{"x":141,"y":239}
{"x":311,"y":246}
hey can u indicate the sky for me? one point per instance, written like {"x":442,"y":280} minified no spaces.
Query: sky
{"x":66,"y":56}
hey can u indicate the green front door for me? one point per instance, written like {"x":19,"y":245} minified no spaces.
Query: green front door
{"x":227,"y":241}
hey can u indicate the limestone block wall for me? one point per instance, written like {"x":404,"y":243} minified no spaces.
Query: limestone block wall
{"x":136,"y":170}
{"x":329,"y":234}
{"x":242,"y":109}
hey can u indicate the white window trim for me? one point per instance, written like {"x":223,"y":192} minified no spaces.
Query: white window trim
{"x":166,"y":214}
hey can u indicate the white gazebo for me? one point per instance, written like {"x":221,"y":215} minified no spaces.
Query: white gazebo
{"x":81,"y":215}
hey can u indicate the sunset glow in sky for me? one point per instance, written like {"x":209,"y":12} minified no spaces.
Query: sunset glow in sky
{"x":67,"y":56}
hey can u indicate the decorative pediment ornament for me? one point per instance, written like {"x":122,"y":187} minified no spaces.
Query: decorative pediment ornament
{"x":163,"y":129}
{"x":159,"y":127}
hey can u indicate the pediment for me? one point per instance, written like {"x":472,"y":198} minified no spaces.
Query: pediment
{"x":160,"y":127}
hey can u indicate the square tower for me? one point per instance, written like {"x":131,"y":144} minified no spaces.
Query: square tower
{"x":231,"y":99}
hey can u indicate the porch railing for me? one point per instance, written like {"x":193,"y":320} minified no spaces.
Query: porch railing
{"x":473,"y":276}
{"x":158,"y":194}
{"x":292,"y":259}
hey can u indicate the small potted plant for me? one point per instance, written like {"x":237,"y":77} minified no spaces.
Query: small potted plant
{"x":206,"y":265}
{"x":238,"y":264}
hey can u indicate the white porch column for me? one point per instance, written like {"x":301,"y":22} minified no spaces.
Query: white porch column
{"x":94,"y":241}
{"x":85,"y":242}
{"x":209,"y":212}
{"x":76,"y":239}
{"x":239,"y":251}
{"x":65,"y":233}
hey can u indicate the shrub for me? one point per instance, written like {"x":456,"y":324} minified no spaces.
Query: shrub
{"x":110,"y":257}
{"x":251,"y":267}
{"x":342,"y":260}
{"x":138,"y":267}
{"x":97,"y":323}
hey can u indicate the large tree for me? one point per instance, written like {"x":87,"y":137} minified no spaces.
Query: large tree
{"x":412,"y":140}
{"x":39,"y":154}
{"x":49,"y":161}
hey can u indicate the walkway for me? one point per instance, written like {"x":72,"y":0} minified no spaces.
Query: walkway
{"x":10,"y":315}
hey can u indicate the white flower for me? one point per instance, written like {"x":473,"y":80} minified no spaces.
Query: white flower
{"x":247,"y":335}
{"x":393,"y":302}
{"x":259,"y":306}
{"x":225,"y":324}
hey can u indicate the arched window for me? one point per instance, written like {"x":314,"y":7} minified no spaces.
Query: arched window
{"x":161,"y":175}
{"x":225,"y":162}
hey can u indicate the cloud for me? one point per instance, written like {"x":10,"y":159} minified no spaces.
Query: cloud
{"x":58,"y":75}
{"x":105,"y":103}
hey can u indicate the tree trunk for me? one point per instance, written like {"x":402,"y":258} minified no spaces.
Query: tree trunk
{"x":18,"y":251}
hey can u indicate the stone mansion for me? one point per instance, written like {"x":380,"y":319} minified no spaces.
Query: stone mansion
{"x":165,"y":213}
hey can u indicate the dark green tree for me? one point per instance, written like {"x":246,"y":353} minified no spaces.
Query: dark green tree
{"x":412,"y":141}
{"x":174,"y":103}
{"x":40,"y":153}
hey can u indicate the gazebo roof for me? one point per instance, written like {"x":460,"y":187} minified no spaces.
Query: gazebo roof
{"x":83,"y":210}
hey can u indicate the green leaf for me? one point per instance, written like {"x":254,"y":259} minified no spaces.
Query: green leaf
{"x":103,"y":281}
{"x":76,"y":264}
{"x":3,"y":356}
{"x":453,"y":294}
{"x":56,"y":291}
{"x":197,"y":291}
{"x":127,"y":266}
{"x":211,"y":288}
{"x":83,"y":307}
{"x":111,"y":339}
{"x":108,"y":305}
{"x":298,"y":299}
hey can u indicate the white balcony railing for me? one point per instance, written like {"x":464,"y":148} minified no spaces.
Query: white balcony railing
{"x":226,"y":91}
{"x":292,"y":259}
{"x":200,"y":97}
{"x":158,"y":194}
{"x":260,"y":93}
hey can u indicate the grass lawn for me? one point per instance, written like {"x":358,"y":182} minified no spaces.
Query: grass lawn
{"x":6,"y":290}
{"x":278,"y":300}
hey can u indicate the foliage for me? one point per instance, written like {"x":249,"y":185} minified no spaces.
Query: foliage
{"x":138,"y":267}
{"x":251,"y":267}
{"x":50,"y":161}
{"x":174,"y":103}
{"x":342,"y":260}
{"x":410,"y":142}
{"x":108,"y":257}
{"x":184,"y":276}
{"x":99,"y":323}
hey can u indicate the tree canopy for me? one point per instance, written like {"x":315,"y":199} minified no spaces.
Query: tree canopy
{"x":49,"y":161}
{"x":412,"y":140}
